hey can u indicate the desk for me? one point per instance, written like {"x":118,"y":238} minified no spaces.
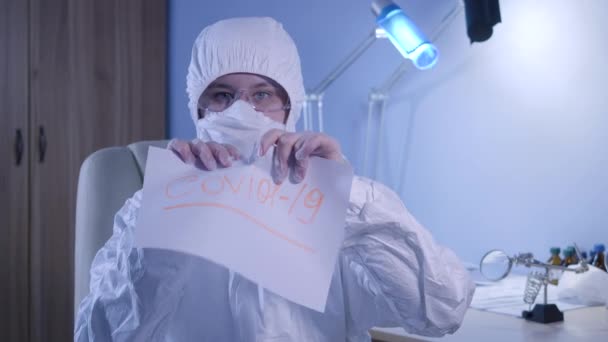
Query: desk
{"x":581,"y":325}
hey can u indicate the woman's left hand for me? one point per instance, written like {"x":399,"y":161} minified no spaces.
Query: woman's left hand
{"x":293,"y":150}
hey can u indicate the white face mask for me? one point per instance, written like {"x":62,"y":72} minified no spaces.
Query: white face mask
{"x":240,"y":126}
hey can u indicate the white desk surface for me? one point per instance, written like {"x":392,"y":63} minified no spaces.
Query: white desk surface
{"x":580,"y":325}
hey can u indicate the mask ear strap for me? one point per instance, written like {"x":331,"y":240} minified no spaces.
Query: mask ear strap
{"x":200,"y":111}
{"x":287,"y":110}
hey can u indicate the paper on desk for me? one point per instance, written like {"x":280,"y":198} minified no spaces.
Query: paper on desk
{"x":507,"y":297}
{"x":285,"y":238}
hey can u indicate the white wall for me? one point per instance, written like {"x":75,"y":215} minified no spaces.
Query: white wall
{"x":507,"y":143}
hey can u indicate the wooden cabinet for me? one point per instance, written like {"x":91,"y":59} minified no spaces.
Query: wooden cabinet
{"x":75,"y":76}
{"x":14,"y":172}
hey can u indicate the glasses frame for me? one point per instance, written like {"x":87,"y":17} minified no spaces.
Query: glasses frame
{"x":239,"y":94}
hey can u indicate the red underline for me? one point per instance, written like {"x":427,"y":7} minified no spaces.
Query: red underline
{"x":247,"y":216}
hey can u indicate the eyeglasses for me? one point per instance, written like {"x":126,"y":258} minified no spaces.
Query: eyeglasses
{"x":262,"y":100}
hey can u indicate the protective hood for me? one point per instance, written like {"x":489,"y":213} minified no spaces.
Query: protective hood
{"x":246,"y":45}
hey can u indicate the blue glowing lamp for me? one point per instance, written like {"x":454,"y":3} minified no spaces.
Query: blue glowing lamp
{"x":404,"y":34}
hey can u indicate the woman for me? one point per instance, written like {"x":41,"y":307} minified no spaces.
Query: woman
{"x":245,"y":88}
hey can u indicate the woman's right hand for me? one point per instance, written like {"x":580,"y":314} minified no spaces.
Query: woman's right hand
{"x":210,"y":155}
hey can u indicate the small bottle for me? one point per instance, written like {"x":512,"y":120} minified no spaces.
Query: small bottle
{"x":570,"y":256}
{"x":591,"y":256}
{"x":599,"y":260}
{"x":554,"y":260}
{"x":575,"y":258}
{"x":584,"y":255}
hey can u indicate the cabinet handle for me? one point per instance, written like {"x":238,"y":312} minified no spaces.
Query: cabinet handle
{"x":18,"y":147}
{"x":41,"y":143}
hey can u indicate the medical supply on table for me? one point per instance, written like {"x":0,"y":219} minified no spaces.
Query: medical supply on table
{"x":588,"y":288}
{"x":496,"y":265}
{"x":569,"y":257}
{"x":554,"y":260}
{"x":584,"y":256}
{"x":599,"y":260}
{"x":591,"y":256}
{"x":534,"y":283}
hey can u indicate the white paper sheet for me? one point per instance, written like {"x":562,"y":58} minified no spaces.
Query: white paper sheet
{"x":285,"y":238}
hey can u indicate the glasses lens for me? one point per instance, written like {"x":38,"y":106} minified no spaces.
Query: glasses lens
{"x":261,"y":100}
{"x":266,"y":101}
{"x":216,"y":101}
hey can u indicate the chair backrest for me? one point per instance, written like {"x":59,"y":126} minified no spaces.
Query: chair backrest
{"x":108,"y":178}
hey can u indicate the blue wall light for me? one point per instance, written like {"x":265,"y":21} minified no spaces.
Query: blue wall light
{"x":404,"y":34}
{"x":400,"y":30}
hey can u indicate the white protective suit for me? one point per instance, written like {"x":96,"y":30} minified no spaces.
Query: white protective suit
{"x":390,"y":271}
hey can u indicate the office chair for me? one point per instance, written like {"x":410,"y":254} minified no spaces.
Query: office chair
{"x":108,"y":178}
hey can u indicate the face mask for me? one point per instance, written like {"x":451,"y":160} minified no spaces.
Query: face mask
{"x":240,"y":126}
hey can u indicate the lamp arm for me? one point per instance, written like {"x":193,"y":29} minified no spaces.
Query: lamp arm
{"x":345,"y":64}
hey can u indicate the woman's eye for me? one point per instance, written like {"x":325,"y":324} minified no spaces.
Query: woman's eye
{"x":223,"y":96}
{"x":262,"y":95}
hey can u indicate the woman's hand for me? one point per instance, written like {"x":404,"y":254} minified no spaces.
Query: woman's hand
{"x":209,"y":154}
{"x":293,"y":150}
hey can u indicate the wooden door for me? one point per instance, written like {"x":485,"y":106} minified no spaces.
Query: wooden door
{"x":50,"y":164}
{"x":97,"y":80}
{"x":14,"y":134}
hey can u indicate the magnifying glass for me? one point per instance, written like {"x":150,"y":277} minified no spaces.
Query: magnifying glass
{"x":495,"y":265}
